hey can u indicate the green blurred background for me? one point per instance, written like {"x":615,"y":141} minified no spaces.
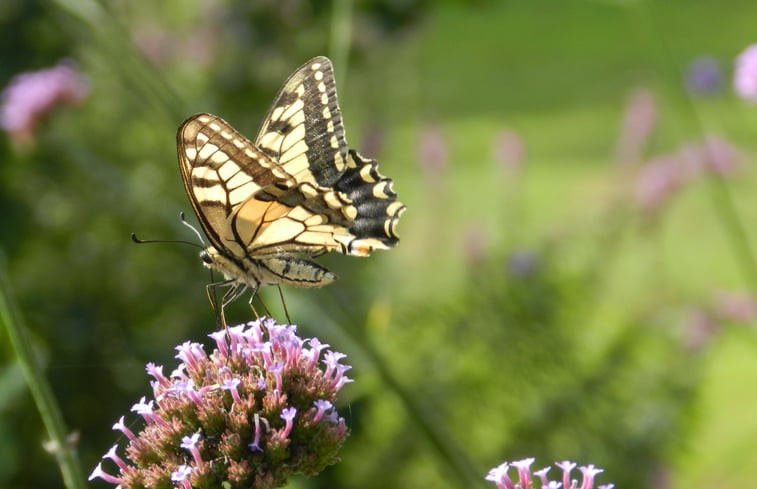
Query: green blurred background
{"x":535,"y":305}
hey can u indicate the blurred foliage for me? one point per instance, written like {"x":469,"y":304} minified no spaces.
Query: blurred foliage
{"x":491,"y":333}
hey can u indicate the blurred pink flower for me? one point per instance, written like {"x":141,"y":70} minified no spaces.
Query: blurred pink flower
{"x":721,"y":157}
{"x":508,"y":150}
{"x":639,"y":121}
{"x":432,"y":152}
{"x":699,"y":328}
{"x":32,"y":95}
{"x":475,"y":245}
{"x":658,"y":180}
{"x":714,"y":155}
{"x":739,"y":307}
{"x":661,"y":177}
{"x":745,"y":74}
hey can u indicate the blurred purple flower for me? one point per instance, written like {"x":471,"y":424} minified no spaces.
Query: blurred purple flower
{"x":522,"y":263}
{"x":32,"y":95}
{"x":639,"y":121}
{"x":704,"y":76}
{"x":508,"y":150}
{"x":432,"y":152}
{"x":745,"y":74}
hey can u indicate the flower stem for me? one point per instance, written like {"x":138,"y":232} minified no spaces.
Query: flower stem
{"x":40,"y":389}
{"x":341,"y":36}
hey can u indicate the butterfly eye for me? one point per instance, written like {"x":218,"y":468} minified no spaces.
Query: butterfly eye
{"x":205,"y":257}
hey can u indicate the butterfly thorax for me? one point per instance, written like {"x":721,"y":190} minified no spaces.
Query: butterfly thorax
{"x":282,"y":268}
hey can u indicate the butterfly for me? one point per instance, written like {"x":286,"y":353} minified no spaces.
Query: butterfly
{"x":297,"y":191}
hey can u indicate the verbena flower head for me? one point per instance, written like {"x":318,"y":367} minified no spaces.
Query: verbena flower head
{"x":745,"y":74}
{"x":524,"y":478}
{"x":256,"y":411}
{"x":30,"y":96}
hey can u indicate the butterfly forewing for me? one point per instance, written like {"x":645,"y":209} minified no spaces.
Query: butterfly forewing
{"x":303,"y":130}
{"x":222,"y":170}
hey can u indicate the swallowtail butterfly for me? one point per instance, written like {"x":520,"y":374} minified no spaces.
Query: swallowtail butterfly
{"x":294,"y":193}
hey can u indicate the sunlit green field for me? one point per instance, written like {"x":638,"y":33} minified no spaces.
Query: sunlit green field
{"x":534,"y":310}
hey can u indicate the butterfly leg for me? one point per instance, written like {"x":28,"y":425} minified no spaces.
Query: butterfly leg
{"x":260,"y":300}
{"x":234,"y":292}
{"x":210,"y":291}
{"x":284,"y":304}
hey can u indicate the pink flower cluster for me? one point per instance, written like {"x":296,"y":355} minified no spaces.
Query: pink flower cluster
{"x":30,"y":96}
{"x":500,"y":476}
{"x":256,"y":411}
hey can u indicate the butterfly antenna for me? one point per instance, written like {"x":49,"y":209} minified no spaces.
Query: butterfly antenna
{"x":173,"y":241}
{"x":284,"y":304}
{"x":184,"y":221}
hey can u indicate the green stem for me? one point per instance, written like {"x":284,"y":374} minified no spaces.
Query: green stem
{"x":455,"y":461}
{"x":40,"y":389}
{"x":341,"y":36}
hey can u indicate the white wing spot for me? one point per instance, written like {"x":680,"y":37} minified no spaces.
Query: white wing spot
{"x":191,"y":153}
{"x":318,"y":75}
{"x":216,"y":193}
{"x":292,"y":110}
{"x":297,"y":134}
{"x":207,"y":150}
{"x":271,"y":140}
{"x":315,"y":66}
{"x":276,"y":113}
{"x":326,"y":113}
{"x":228,"y":170}
{"x":238,"y":180}
{"x":322,"y":87}
{"x":241,"y":194}
{"x":334,"y":142}
{"x":339,"y":161}
{"x":299,"y":148}
{"x":365,"y":174}
{"x":219,"y":158}
{"x":395,"y":209}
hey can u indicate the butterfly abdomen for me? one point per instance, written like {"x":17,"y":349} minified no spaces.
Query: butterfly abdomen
{"x":270,"y":270}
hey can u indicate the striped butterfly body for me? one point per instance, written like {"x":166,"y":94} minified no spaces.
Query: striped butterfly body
{"x":296,"y":192}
